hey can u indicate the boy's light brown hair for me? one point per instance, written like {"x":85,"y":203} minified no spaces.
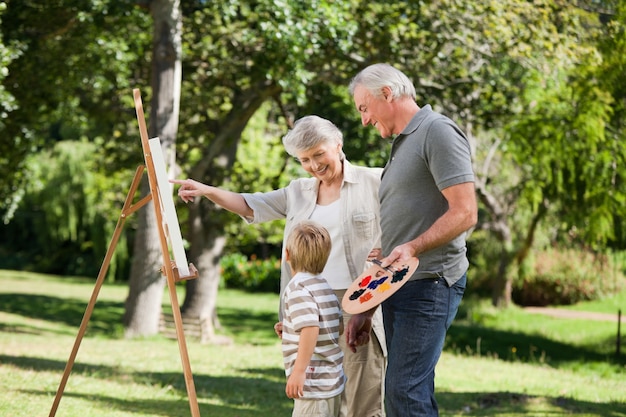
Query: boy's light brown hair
{"x":309,"y":246}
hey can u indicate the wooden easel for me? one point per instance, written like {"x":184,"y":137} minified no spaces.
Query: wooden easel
{"x":169,"y":268}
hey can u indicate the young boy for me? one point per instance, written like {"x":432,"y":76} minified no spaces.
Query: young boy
{"x":311,"y":326}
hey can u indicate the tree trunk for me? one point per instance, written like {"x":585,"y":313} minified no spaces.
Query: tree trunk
{"x":143,"y":305}
{"x":206,"y":221}
{"x":207,"y":242}
{"x":502,"y":289}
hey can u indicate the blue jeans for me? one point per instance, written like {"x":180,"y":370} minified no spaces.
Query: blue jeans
{"x":416,"y":320}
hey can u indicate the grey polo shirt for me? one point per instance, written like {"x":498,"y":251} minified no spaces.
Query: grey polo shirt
{"x":431,"y":154}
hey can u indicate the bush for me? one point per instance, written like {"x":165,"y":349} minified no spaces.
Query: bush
{"x":564,"y":277}
{"x":253,"y":275}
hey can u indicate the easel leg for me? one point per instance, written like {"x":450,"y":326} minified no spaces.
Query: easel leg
{"x":127,"y":209}
{"x":182,"y":345}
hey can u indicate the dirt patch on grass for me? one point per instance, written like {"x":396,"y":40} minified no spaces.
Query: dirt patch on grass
{"x":570,"y":314}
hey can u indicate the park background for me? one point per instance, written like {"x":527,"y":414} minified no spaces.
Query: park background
{"x":538,"y":86}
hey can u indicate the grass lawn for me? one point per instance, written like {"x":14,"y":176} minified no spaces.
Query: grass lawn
{"x":496,"y":362}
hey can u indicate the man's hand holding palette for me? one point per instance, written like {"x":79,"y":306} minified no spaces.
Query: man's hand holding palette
{"x":377,"y":284}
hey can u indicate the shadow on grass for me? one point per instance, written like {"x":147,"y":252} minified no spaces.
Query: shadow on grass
{"x":180,"y":407}
{"x":263,"y":395}
{"x":475,"y":404}
{"x":251,"y":327}
{"x":247,"y":326}
{"x":164,"y":379}
{"x":42,"y":364}
{"x":260,"y":394}
{"x":475,"y":340}
{"x":106,"y":319}
{"x":486,"y":404}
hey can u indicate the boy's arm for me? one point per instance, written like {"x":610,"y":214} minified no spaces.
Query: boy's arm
{"x":306,"y":345}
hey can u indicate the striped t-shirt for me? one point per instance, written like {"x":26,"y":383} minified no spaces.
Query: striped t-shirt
{"x":309,"y":301}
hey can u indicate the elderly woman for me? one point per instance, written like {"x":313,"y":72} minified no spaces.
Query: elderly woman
{"x":344,"y":199}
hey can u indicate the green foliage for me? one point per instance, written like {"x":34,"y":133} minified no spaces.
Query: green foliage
{"x":483,"y":252}
{"x":8,"y":103}
{"x":566,"y":158}
{"x":8,"y":53}
{"x":571,"y":156}
{"x":560,"y":151}
{"x":68,"y":213}
{"x":262,"y":165}
{"x":251,"y":274}
{"x":72,"y":80}
{"x":564,"y":277}
{"x":237,"y":51}
{"x":362,"y":145}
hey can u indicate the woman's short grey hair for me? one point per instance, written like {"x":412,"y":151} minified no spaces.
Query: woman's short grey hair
{"x":377,"y":76}
{"x":309,"y":132}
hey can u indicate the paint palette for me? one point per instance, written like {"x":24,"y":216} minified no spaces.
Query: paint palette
{"x":377,"y":284}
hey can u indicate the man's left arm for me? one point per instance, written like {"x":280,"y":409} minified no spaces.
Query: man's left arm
{"x":461,"y":215}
